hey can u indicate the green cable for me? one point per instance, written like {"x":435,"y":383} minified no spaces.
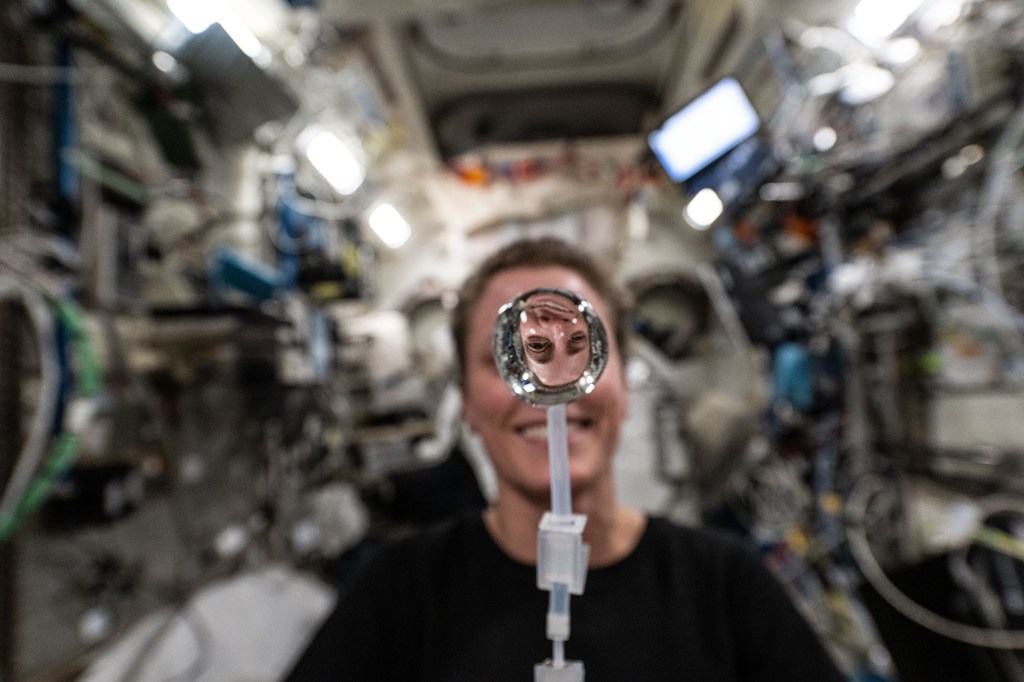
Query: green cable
{"x":89,"y":365}
{"x":1000,"y":540}
{"x":39,"y":490}
{"x":64,"y":451}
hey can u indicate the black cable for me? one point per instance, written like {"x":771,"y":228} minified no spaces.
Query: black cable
{"x":857,"y":536}
{"x":10,"y":411}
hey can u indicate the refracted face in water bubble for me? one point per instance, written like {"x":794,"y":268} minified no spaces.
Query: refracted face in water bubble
{"x":549,"y":346}
{"x":555,"y":338}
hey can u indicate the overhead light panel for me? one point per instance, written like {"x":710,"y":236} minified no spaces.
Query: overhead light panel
{"x":875,"y":20}
{"x":165,"y":61}
{"x":704,"y":209}
{"x":388,"y":224}
{"x":246,"y":41}
{"x":199,"y":15}
{"x":332,"y":158}
{"x":825,"y":138}
{"x":939,"y":14}
{"x":863,"y":83}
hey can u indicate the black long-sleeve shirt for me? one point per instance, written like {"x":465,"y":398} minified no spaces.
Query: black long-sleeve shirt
{"x":449,"y":605}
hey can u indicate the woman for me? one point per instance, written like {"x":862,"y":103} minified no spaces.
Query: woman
{"x":460,"y":602}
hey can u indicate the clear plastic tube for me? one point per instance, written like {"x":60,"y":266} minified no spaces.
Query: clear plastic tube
{"x":558,"y":654}
{"x":561,"y":505}
{"x":558,"y":607}
{"x":558,"y":456}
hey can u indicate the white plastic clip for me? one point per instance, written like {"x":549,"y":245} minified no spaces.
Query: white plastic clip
{"x":561,"y":553}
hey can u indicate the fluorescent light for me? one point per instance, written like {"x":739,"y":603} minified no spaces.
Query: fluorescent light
{"x":196,"y":16}
{"x":244,"y":39}
{"x":164,"y":61}
{"x":939,"y":14}
{"x":704,"y":209}
{"x":389,"y":225}
{"x":901,"y":51}
{"x":875,"y":20}
{"x":333,"y":159}
{"x":825,"y":138}
{"x":864,"y":83}
{"x":199,"y":15}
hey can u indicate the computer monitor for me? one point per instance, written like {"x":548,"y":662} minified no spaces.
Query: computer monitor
{"x":704,"y":130}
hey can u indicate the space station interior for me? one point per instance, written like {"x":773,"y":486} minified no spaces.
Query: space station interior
{"x":232,"y":234}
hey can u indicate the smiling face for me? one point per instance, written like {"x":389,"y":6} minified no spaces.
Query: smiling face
{"x":514,"y":433}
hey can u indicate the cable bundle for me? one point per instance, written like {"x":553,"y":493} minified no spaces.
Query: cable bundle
{"x":62,"y":415}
